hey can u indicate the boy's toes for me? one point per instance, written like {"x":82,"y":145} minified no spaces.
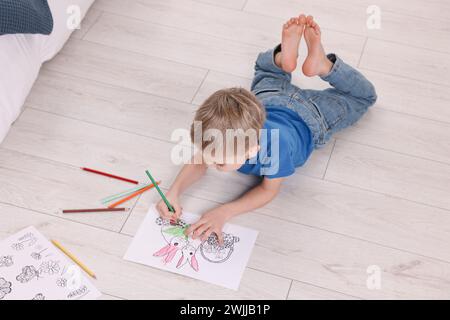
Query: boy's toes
{"x":292,"y":21}
{"x":302,"y":19}
{"x":309,"y":20}
{"x":317,"y":29}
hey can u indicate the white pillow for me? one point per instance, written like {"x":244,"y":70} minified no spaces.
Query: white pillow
{"x":51,"y":45}
{"x":21,"y":57}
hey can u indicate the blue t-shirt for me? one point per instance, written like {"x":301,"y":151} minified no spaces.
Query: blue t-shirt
{"x":285,"y":144}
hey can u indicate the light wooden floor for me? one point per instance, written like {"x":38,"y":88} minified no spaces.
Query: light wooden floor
{"x":377,"y":195}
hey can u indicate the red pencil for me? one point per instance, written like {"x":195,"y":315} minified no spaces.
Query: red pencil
{"x":94,"y":210}
{"x":111,"y":175}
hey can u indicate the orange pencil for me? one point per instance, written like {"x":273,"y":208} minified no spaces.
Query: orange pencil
{"x":131,"y":196}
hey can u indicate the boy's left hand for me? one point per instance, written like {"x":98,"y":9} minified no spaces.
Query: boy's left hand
{"x":211,"y":221}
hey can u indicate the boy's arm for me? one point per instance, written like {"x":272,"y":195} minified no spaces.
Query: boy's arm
{"x":213,"y":221}
{"x":188,"y":175}
{"x":255,"y":198}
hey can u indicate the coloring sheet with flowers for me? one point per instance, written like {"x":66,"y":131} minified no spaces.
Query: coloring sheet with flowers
{"x":163,"y":245}
{"x":32,"y":268}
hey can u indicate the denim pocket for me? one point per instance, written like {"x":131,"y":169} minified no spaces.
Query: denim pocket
{"x":268,"y":86}
{"x":331,"y":110}
{"x":319,"y":116}
{"x":323,"y":128}
{"x":310,"y":114}
{"x":265,"y":92}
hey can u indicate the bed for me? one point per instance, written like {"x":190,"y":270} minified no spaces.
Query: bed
{"x":22,"y":55}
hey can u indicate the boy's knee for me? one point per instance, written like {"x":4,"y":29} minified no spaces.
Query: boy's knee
{"x":266,"y":60}
{"x":258,"y":61}
{"x":371,"y":95}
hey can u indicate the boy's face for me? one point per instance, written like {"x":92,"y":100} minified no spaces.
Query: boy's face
{"x":227,"y":167}
{"x":229,"y":163}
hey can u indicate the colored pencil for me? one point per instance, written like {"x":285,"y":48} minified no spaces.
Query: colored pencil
{"x":171,"y":209}
{"x":131,"y":196}
{"x":74,"y":259}
{"x":110,"y":175}
{"x":94,"y":210}
{"x":124,"y":193}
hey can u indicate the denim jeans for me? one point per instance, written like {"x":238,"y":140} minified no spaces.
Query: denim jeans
{"x":324,"y":111}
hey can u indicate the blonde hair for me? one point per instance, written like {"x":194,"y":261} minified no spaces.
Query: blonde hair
{"x":235,"y":108}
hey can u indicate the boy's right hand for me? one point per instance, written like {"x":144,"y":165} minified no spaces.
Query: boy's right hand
{"x":164,"y":211}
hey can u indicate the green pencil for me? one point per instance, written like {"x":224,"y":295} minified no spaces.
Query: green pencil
{"x":171,"y":209}
{"x":124,"y":193}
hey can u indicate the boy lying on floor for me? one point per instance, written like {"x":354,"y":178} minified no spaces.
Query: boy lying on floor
{"x":289,"y":123}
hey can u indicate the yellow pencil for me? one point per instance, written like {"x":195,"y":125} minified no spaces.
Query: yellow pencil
{"x":74,"y":259}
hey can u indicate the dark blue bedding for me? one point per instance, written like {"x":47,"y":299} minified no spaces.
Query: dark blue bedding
{"x":25,"y":16}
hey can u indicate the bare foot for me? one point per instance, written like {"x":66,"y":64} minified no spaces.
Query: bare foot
{"x":290,"y":41}
{"x":316,"y":63}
